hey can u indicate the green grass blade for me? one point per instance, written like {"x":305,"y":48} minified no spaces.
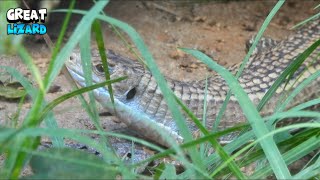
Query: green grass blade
{"x":169,"y":172}
{"x":298,"y":89}
{"x":66,"y":163}
{"x":99,"y":38}
{"x":248,"y":136}
{"x":56,"y":65}
{"x":289,"y":70}
{"x":27,"y":60}
{"x":32,"y":117}
{"x":62,"y":32}
{"x":204,"y":117}
{"x":231,"y":147}
{"x":245,"y":137}
{"x":306,"y":20}
{"x":240,"y":141}
{"x":286,"y":145}
{"x":85,"y":54}
{"x":49,"y":120}
{"x":67,"y":96}
{"x":292,"y":114}
{"x":270,"y":134}
{"x":215,"y":144}
{"x":306,"y":105}
{"x":15,"y":160}
{"x":75,"y":135}
{"x":194,"y":143}
{"x":259,"y":128}
{"x":246,"y":59}
{"x":91,"y":108}
{"x":35,"y":132}
{"x":292,"y":155}
{"x":311,"y":171}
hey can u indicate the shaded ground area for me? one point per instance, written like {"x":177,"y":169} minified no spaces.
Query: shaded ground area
{"x":220,"y":29}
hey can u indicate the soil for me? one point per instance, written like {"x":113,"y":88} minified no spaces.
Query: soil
{"x":220,"y":29}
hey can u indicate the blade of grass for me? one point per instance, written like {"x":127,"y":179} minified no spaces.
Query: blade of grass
{"x":298,"y":89}
{"x":50,"y":120}
{"x":291,"y":68}
{"x":63,"y":30}
{"x":314,"y":167}
{"x":292,"y":114}
{"x":35,"y":132}
{"x":67,"y":96}
{"x":14,"y":162}
{"x":16,"y":115}
{"x":85,"y":55}
{"x":130,"y":47}
{"x":292,"y":155}
{"x":117,"y":32}
{"x":56,"y":65}
{"x":99,"y":39}
{"x":72,"y":134}
{"x":219,"y":149}
{"x":246,"y":59}
{"x":75,"y":134}
{"x":270,"y":134}
{"x":28,"y":61}
{"x":244,"y":138}
{"x":293,"y":145}
{"x":285,"y":145}
{"x":306,"y":105}
{"x":311,"y":172}
{"x":247,"y":136}
{"x":259,"y":128}
{"x":204,"y":117}
{"x":195,"y":142}
{"x":306,"y":20}
{"x":87,"y":69}
{"x":15,"y":159}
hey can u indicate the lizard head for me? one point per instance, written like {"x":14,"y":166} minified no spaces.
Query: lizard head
{"x":118,"y":66}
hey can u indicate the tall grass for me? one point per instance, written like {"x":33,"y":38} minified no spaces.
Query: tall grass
{"x":257,"y":144}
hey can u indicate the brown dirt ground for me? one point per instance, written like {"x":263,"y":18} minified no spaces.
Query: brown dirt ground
{"x":219,"y":29}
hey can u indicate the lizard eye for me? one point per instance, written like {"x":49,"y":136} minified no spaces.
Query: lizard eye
{"x":99,"y":68}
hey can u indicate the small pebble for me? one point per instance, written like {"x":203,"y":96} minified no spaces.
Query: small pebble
{"x":200,"y":18}
{"x":194,"y":66}
{"x":176,"y":54}
{"x":27,"y":105}
{"x":54,"y":89}
{"x":2,"y":106}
